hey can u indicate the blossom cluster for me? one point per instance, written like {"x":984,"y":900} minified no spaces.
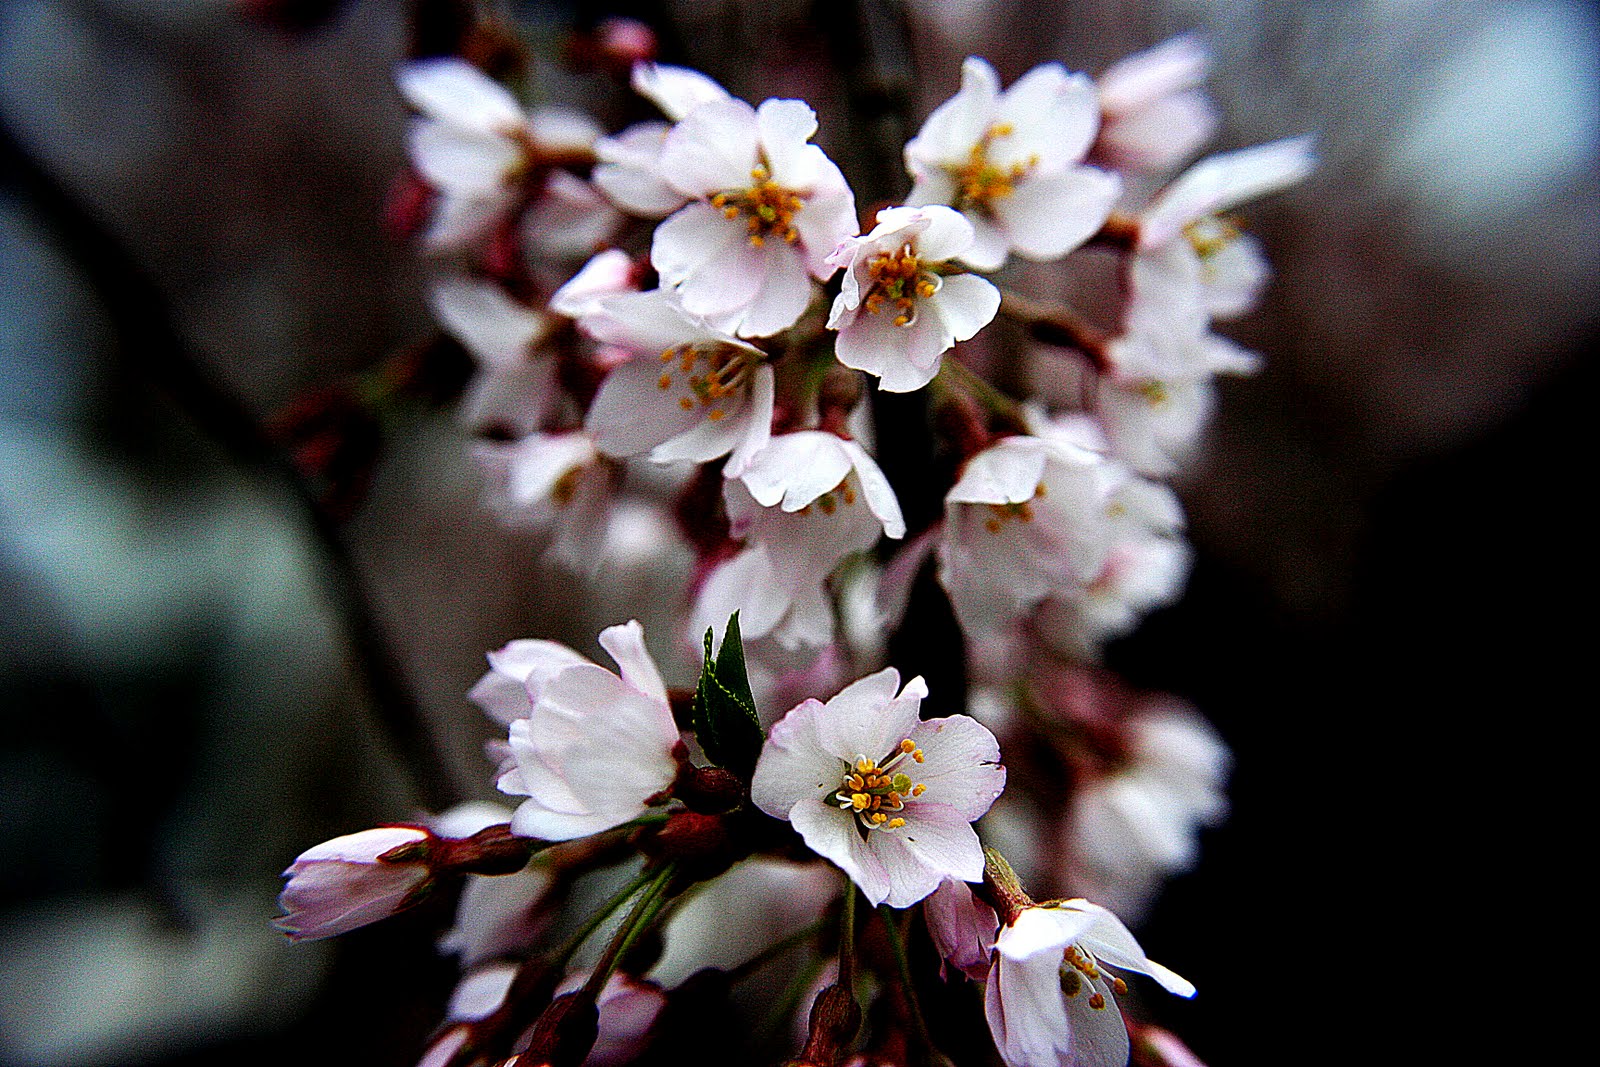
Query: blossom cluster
{"x":699,"y":292}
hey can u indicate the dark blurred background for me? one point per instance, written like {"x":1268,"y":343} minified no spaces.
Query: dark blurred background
{"x":1387,"y":620}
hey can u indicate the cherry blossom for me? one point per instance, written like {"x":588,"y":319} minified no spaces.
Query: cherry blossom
{"x":902,"y":304}
{"x":515,"y":381}
{"x":887,"y":796}
{"x":767,"y":209}
{"x":962,"y":927}
{"x":595,"y":746}
{"x":474,"y":144}
{"x":345,"y":883}
{"x":517,"y":675}
{"x":555,"y":480}
{"x":807,"y":500}
{"x":1029,"y":517}
{"x":689,"y":393}
{"x":1011,"y":162}
{"x":1049,"y":1000}
{"x":1153,"y":114}
{"x":607,"y":274}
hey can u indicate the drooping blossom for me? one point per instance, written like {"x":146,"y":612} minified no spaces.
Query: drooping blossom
{"x":1193,"y":259}
{"x":515,"y":383}
{"x":347,"y":882}
{"x":1153,"y":112}
{"x":550,"y":481}
{"x":689,"y":393}
{"x":767,"y":208}
{"x":1028,"y":518}
{"x":902,"y":303}
{"x":475,"y":145}
{"x":806,"y":501}
{"x":887,"y":796}
{"x":1138,"y":823}
{"x":594,"y":747}
{"x":1050,"y":1001}
{"x":1011,"y":162}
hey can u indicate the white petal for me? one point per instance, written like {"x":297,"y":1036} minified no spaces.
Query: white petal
{"x":960,"y":767}
{"x":1225,"y":181}
{"x":709,"y":259}
{"x":833,"y":834}
{"x":946,"y":234}
{"x":713,"y":149}
{"x":748,"y":584}
{"x":1139,"y":80}
{"x":455,"y":91}
{"x":796,"y":468}
{"x":497,"y":330}
{"x":957,"y":124}
{"x":675,"y":90}
{"x":784,"y":294}
{"x":461,"y":162}
{"x":1008,"y":472}
{"x":867,"y":718}
{"x":625,"y":644}
{"x":965,"y":303}
{"x":877,"y":490}
{"x":784,"y":127}
{"x":1053,"y":116}
{"x":1049,"y":215}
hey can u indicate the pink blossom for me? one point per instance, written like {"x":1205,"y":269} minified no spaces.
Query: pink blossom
{"x":962,"y":927}
{"x":1153,"y":113}
{"x":595,"y":747}
{"x":887,"y":796}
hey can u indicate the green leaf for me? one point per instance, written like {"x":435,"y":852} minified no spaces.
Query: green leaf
{"x":724,"y":710}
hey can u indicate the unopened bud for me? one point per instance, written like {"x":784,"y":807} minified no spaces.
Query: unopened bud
{"x":708,"y":790}
{"x":1002,"y":888}
{"x":354,"y":880}
{"x":689,"y":835}
{"x":835,"y":1018}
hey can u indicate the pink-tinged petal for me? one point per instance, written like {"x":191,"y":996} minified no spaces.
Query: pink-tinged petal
{"x":873,"y":343}
{"x":960,"y":767}
{"x":827,"y":217}
{"x":1139,"y":80}
{"x":783,"y":128}
{"x":877,"y":490}
{"x":629,"y":171}
{"x":1233,"y":277}
{"x":648,"y":323}
{"x":518,"y":396}
{"x":794,"y":769}
{"x":519,"y":672}
{"x":965,"y":304}
{"x":990,"y":244}
{"x":1161,"y":136}
{"x":957,"y":124}
{"x":796,"y":468}
{"x":713,"y":149}
{"x":496,"y":329}
{"x":631,"y":414}
{"x":480,"y":992}
{"x":570,"y":220}
{"x":944,"y":233}
{"x":608,"y":274}
{"x":363,"y":847}
{"x":455,"y":91}
{"x":834,"y":835}
{"x":461,"y":162}
{"x":1053,"y":116}
{"x":1099,"y":1035}
{"x":1112,"y":942}
{"x":1049,"y":215}
{"x":460,"y":221}
{"x":936,"y":843}
{"x":675,"y":90}
{"x":625,"y":645}
{"x":754,"y":422}
{"x":1221,"y":182}
{"x":963,"y":928}
{"x":784,"y":294}
{"x":1026,"y":1015}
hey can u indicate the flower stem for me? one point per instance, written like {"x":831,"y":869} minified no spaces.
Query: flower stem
{"x":645,"y":911}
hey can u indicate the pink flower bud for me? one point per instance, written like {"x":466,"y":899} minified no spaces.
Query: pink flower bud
{"x":347,"y":882}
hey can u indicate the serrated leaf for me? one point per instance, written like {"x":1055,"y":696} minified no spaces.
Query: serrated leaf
{"x":724,"y":710}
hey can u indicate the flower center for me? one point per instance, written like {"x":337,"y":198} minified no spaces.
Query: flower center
{"x":1001,"y":514}
{"x":980,"y":181}
{"x":769,"y":208}
{"x":709,"y":374}
{"x":1080,"y":968}
{"x":1210,"y":235}
{"x":1155,"y":393}
{"x":875,"y":792}
{"x":898,"y":279}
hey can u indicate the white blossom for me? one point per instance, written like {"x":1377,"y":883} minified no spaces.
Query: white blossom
{"x":1011,"y":162}
{"x":595,"y":746}
{"x":549,"y":480}
{"x":902,"y":303}
{"x":887,"y":796}
{"x":1049,"y":1000}
{"x":807,"y":500}
{"x":767,"y":209}
{"x":690,"y":392}
{"x":515,"y":382}
{"x":1153,"y":113}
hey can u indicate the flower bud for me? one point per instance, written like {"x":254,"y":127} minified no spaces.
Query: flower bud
{"x":354,"y":880}
{"x":565,"y":1032}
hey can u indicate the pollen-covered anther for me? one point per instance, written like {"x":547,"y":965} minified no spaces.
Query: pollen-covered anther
{"x":1097,"y":1001}
{"x":711,"y":372}
{"x":1213,"y":234}
{"x":875,"y":792}
{"x":898,"y":279}
{"x":1022,"y":511}
{"x":768,"y":207}
{"x":980,"y":181}
{"x":1155,"y":392}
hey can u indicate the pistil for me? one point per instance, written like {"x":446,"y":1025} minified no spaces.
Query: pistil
{"x":875,"y":792}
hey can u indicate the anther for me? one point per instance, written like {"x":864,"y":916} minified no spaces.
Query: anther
{"x":1097,"y":1001}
